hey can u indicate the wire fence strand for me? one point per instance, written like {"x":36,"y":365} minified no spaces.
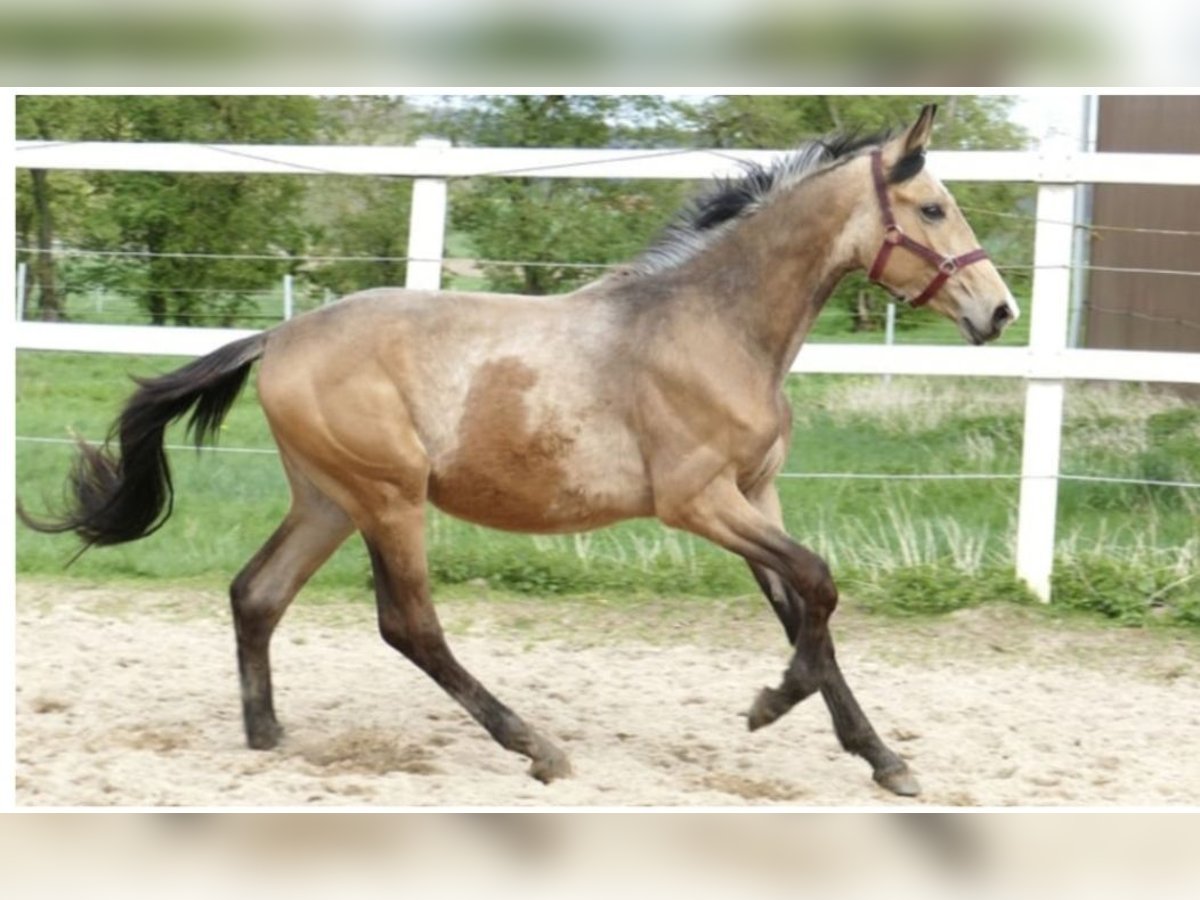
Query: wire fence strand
{"x":650,"y":153}
{"x":813,"y":476}
{"x":527,"y":263}
{"x":1084,"y":226}
{"x":1146,"y":317}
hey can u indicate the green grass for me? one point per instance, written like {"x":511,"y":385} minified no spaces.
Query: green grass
{"x":1129,"y":553}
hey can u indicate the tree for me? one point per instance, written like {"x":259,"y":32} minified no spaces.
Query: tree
{"x":43,"y":201}
{"x":166,"y":216}
{"x":545,"y":225}
{"x":362,"y":216}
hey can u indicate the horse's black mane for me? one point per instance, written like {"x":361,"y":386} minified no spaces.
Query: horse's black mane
{"x":730,"y":198}
{"x":733,"y":198}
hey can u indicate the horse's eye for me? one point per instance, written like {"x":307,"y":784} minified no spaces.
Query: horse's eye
{"x":933,"y":212}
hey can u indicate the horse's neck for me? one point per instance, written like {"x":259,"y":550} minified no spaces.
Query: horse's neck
{"x":771,"y":276}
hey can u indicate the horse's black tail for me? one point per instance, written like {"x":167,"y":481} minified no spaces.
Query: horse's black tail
{"x":126,"y":495}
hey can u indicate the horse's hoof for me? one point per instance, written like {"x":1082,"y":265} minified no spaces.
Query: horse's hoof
{"x":899,"y":781}
{"x":768,"y":706}
{"x":264,"y":737}
{"x":550,"y":765}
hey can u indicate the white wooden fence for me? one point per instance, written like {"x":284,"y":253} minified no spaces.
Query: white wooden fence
{"x":1045,"y":364}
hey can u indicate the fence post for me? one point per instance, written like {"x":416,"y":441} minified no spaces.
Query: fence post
{"x":289,"y":304}
{"x":1084,"y":199}
{"x":21,"y":270}
{"x":427,"y":227}
{"x":1050,"y":301}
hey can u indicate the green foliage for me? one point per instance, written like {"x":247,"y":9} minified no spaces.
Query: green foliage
{"x":560,"y":566}
{"x":248,"y":215}
{"x":782,"y":121}
{"x":935,"y":590}
{"x":1187,"y":609}
{"x":1165,"y":448}
{"x":1098,"y":586}
{"x":168,"y":213}
{"x":1129,"y":593}
{"x":361,"y":216}
{"x":1173,"y":453}
{"x":544,"y":221}
{"x":549,"y":223}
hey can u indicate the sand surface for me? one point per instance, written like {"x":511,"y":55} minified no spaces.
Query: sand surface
{"x":130,"y":698}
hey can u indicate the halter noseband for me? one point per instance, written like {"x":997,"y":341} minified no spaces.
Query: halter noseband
{"x":893,"y":237}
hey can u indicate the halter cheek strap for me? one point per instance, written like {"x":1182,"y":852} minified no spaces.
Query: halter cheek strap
{"x":894,"y":236}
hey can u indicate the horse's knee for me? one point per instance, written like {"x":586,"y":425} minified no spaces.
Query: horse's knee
{"x":418,"y":638}
{"x":393,"y":631}
{"x":822,"y":592}
{"x":250,"y":607}
{"x":239,"y":589}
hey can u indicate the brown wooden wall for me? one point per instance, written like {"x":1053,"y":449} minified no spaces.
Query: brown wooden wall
{"x":1134,"y":311}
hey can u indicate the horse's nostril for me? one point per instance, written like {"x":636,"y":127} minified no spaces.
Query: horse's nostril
{"x":1002,"y":314}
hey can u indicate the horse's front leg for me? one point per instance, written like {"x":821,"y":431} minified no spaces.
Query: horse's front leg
{"x":787,"y":604}
{"x":802,"y":591}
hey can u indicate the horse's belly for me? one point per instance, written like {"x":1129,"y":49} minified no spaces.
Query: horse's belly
{"x":524,"y":496}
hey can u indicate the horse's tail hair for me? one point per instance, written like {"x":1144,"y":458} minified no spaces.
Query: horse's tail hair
{"x":122,"y":496}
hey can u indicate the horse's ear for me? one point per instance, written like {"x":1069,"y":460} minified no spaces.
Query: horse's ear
{"x":917,"y":138}
{"x":910,"y":159}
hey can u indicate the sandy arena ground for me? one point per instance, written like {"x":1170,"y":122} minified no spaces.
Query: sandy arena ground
{"x":131,"y":699}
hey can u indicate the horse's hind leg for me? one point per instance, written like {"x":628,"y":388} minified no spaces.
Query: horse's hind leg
{"x":408,"y":623}
{"x":262,"y":591}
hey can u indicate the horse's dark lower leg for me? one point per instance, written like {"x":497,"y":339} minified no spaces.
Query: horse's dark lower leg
{"x":856,"y":735}
{"x":409,"y":623}
{"x":787,"y":605}
{"x":804,"y":596}
{"x":261,"y":594}
{"x":814,"y":667}
{"x":805,"y":672}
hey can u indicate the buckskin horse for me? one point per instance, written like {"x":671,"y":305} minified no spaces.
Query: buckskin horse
{"x":653,"y":391}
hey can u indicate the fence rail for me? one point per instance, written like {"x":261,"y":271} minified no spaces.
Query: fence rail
{"x":1045,"y":364}
{"x":830,"y":359}
{"x":438,"y":160}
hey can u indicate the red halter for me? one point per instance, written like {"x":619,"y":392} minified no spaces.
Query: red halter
{"x":894,"y":237}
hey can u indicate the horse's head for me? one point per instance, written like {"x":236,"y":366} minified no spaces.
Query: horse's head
{"x":920,"y":247}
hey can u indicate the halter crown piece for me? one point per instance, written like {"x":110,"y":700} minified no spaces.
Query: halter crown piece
{"x":894,"y":236}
